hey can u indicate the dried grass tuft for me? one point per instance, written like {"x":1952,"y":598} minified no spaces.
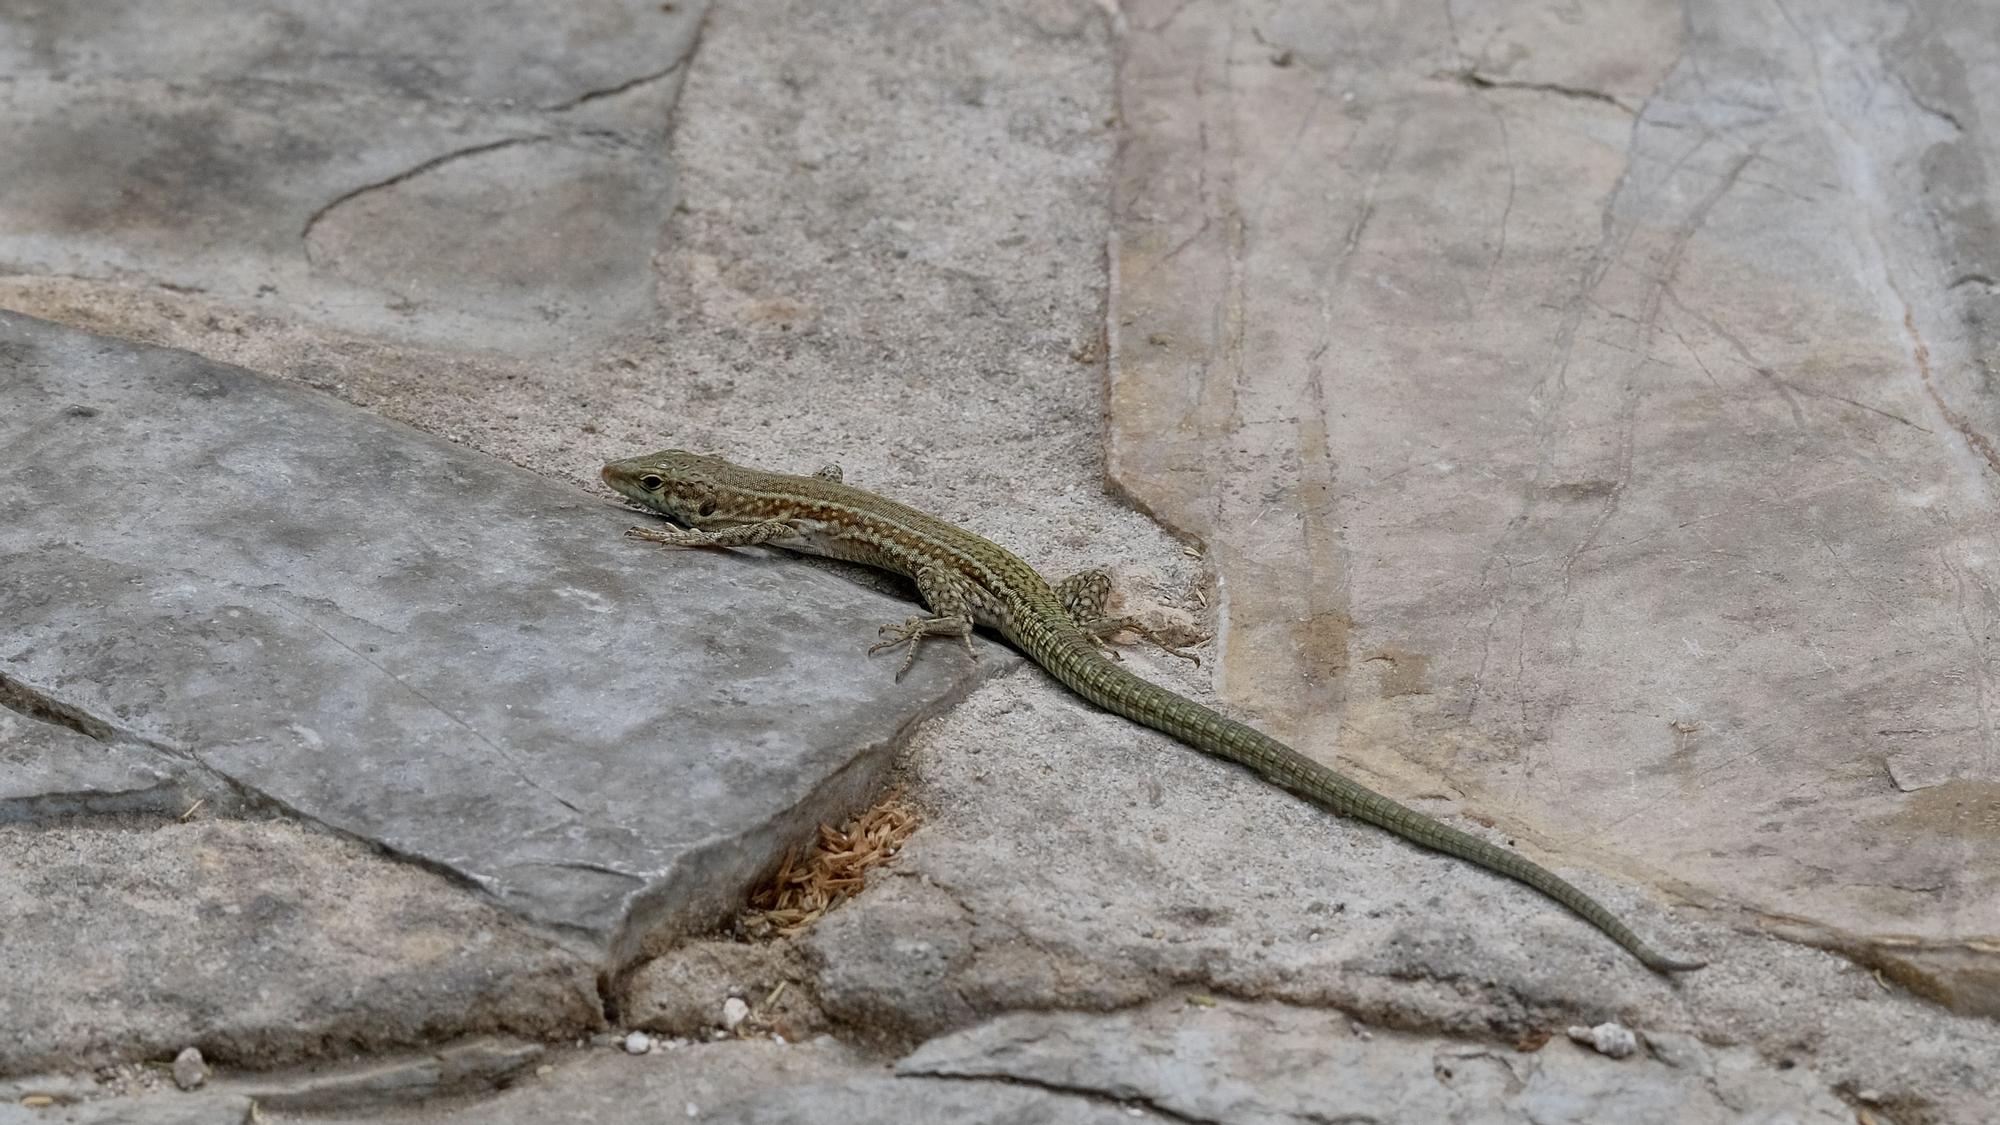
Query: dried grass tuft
{"x":831,"y":871}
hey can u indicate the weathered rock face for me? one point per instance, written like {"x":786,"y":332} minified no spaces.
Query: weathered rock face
{"x":427,"y":173}
{"x":1587,"y":408}
{"x":1582,"y":406}
{"x":261,"y":589}
{"x":259,"y":940}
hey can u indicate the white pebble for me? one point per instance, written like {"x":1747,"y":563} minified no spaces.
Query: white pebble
{"x":734,"y":1012}
{"x":1610,"y":1039}
{"x":694,"y":1110}
{"x":190,"y":1070}
{"x":638,"y":1043}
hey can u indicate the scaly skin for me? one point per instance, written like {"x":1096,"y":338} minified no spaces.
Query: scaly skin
{"x":966,"y":580}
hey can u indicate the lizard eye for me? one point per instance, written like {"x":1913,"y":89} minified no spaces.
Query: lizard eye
{"x":651,"y":482}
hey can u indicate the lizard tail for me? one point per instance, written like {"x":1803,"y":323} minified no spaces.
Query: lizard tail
{"x":1142,"y":701}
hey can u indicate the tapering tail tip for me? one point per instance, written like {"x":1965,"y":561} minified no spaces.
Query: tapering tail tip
{"x":1663,"y":964}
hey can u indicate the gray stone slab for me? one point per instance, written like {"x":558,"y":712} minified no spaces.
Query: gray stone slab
{"x":477,"y":1066}
{"x":430,"y":172}
{"x":754,"y":1083}
{"x":258,"y":942}
{"x":446,"y":656}
{"x":151,"y":1109}
{"x":1266,"y":1064}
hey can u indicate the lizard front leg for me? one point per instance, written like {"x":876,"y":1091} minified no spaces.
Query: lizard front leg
{"x":952,"y":598}
{"x":1084,"y":595}
{"x":735,"y":535}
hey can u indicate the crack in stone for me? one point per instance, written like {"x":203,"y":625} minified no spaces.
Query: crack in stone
{"x":1087,"y":1093}
{"x":1470,"y":77}
{"x":407,"y":174}
{"x":22,"y":699}
{"x":624,"y":87}
{"x":228,"y":793}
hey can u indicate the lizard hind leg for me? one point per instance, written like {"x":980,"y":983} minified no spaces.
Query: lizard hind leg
{"x":952,"y":599}
{"x":1084,"y":596}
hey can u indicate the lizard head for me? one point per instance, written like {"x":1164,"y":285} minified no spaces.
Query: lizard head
{"x":673,"y":482}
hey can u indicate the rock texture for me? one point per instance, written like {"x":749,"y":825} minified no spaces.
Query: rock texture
{"x":422,"y":174}
{"x":417,"y":646}
{"x":1591,"y":402}
{"x":257,"y":942}
{"x":1172,"y":1058}
{"x":1582,"y":409}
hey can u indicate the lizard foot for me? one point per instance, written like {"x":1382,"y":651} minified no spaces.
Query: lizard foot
{"x":913,"y":631}
{"x":1101,"y":630}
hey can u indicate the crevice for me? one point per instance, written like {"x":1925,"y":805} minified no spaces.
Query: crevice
{"x":1470,"y":77}
{"x":1098,"y":1097}
{"x":1917,"y":100}
{"x":236,"y":797}
{"x":644,"y":931}
{"x":1920,"y":353}
{"x":22,"y":699}
{"x":624,"y":87}
{"x":410,"y":173}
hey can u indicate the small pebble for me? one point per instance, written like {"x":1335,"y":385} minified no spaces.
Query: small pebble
{"x":734,"y":1012}
{"x":1609,"y":1039}
{"x":190,"y":1071}
{"x":694,"y":1110}
{"x":638,"y":1043}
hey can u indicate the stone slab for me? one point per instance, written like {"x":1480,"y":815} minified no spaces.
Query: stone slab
{"x":1038,"y":885}
{"x":1266,"y":1064}
{"x":259,"y":942}
{"x":1589,"y":413}
{"x":459,"y":662}
{"x":152,"y":1109}
{"x":466,"y":1068}
{"x":432,"y":173}
{"x":753,"y":1083}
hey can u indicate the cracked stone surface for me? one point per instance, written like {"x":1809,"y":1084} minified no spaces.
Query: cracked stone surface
{"x":752,"y":1083}
{"x":1250,"y":899}
{"x":1588,"y":414}
{"x":1536,"y":378}
{"x":431,"y":173}
{"x":49,"y":771}
{"x":1276,"y":1059}
{"x":258,"y":941}
{"x":423,"y":648}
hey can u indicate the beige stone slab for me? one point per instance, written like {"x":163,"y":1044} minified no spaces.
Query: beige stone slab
{"x":1580,"y":424}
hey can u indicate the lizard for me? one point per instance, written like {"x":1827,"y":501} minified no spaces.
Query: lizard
{"x":969,"y":581}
